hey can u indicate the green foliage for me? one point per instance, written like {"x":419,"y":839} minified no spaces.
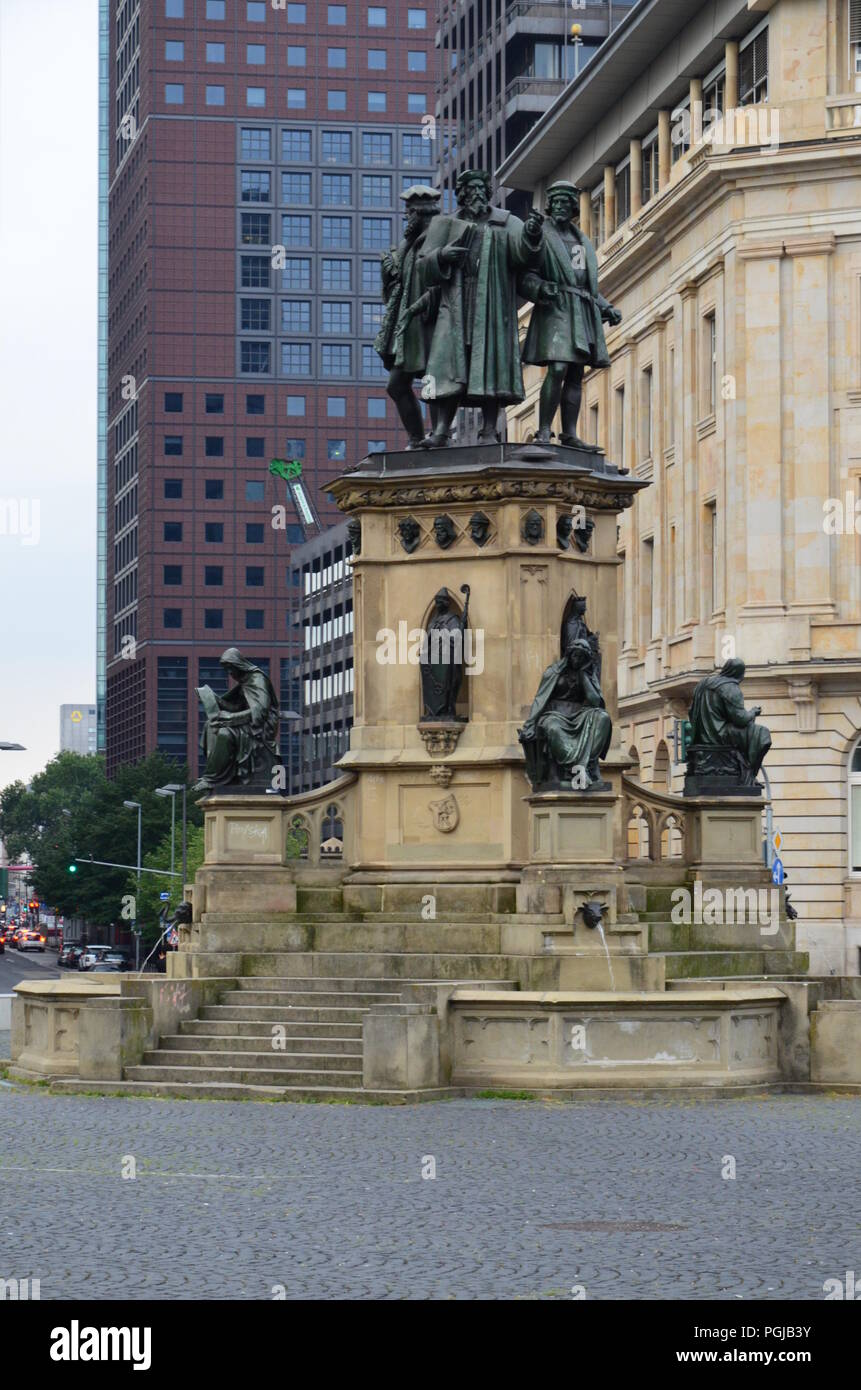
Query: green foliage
{"x":149,"y":904}
{"x":33,"y":821}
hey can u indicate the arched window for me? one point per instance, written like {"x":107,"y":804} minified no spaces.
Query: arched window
{"x":662,"y":778}
{"x":855,"y":810}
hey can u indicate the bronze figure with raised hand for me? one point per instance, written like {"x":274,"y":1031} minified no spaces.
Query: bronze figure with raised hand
{"x":565,"y":332}
{"x":405,"y":332}
{"x":474,"y":257}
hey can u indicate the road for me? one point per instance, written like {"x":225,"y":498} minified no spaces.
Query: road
{"x":26,"y":965}
{"x":530,"y":1200}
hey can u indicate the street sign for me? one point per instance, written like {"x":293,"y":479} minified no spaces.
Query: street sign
{"x":777,"y":872}
{"x":163,"y":897}
{"x":777,"y":841}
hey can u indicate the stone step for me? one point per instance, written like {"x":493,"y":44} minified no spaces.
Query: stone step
{"x":699,"y":964}
{"x":699,"y":936}
{"x":307,"y":998}
{"x":245,"y":1076}
{"x":258,"y":1013}
{"x":387,"y":966}
{"x":276,"y":1061}
{"x":315,"y":984}
{"x":255,"y":1042}
{"x":249,"y":1028}
{"x":200,"y":1089}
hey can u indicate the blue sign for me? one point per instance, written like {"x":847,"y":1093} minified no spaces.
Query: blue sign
{"x":777,"y":871}
{"x":164,"y":897}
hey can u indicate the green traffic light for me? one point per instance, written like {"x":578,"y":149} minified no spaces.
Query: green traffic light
{"x":73,"y":868}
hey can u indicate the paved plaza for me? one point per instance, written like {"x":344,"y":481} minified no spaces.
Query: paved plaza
{"x":531,"y":1199}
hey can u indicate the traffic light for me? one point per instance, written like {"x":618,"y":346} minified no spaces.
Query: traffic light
{"x":73,"y":868}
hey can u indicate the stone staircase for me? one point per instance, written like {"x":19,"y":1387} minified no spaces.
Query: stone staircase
{"x":696,"y":951}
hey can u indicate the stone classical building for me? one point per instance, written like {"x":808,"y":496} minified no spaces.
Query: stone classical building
{"x":718,"y":150}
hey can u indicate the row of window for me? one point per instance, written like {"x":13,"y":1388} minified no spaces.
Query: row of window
{"x":335,"y":274}
{"x":213,"y":576}
{"x":254,"y":405}
{"x":336,"y":231}
{"x":336,"y":360}
{"x":335,"y":316}
{"x":255,"y":490}
{"x":335,"y":191}
{"x":297,"y":56}
{"x":214,"y":532}
{"x":214,"y":618}
{"x":297,"y":98}
{"x":336,"y":146}
{"x":336,"y":15}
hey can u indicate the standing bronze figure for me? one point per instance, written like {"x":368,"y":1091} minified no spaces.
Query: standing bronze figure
{"x":241,"y":727}
{"x":442,"y":660}
{"x":405,"y":332}
{"x":474,"y":258}
{"x":565,"y":332}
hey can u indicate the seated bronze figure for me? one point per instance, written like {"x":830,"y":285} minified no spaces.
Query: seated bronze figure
{"x":568,"y":728}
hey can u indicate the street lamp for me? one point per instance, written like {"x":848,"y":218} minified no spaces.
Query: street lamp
{"x":171,"y":789}
{"x":132,"y":806}
{"x":168,"y":791}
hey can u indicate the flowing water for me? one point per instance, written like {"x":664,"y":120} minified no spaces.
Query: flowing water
{"x":607,"y":954}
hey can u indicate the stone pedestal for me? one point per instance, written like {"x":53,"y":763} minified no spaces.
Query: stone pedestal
{"x":725,"y":837}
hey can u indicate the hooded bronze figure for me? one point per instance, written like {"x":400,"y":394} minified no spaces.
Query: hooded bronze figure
{"x":239,"y":736}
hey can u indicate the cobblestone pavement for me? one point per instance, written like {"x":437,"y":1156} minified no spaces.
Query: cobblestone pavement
{"x":531,"y":1198}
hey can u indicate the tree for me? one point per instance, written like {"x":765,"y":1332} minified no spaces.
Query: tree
{"x":149,"y":903}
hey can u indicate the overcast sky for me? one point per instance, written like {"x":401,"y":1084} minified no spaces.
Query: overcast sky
{"x":48,"y":352}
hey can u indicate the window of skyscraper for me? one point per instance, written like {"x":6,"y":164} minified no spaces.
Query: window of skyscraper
{"x":172,"y":488}
{"x":172,"y":531}
{"x":376,"y":17}
{"x":372,"y":317}
{"x":336,"y":58}
{"x":296,"y":231}
{"x":417,"y":60}
{"x":295,"y":405}
{"x":256,"y":315}
{"x":295,"y":448}
{"x":213,"y":446}
{"x":336,"y":233}
{"x":335,"y":359}
{"x":296,"y":146}
{"x":255,"y":96}
{"x":253,"y":618}
{"x":254,"y":272}
{"x":172,"y":617}
{"x":295,"y":316}
{"x":376,"y":58}
{"x":172,"y":574}
{"x":213,"y":617}
{"x":173,"y":444}
{"x":255,"y":405}
{"x":371,"y":363}
{"x":256,"y":228}
{"x":214,"y":96}
{"x":296,"y":189}
{"x":174,"y":51}
{"x":174,"y":9}
{"x":376,"y":233}
{"x":297,"y":98}
{"x":213,"y":489}
{"x":297,"y":55}
{"x":336,"y":448}
{"x":296,"y":359}
{"x":335,"y":316}
{"x":335,"y":274}
{"x":416,"y":150}
{"x":254,"y":490}
{"x":296,"y":274}
{"x":376,"y":101}
{"x":371,"y":277}
{"x":215,"y":401}
{"x":417,"y":19}
{"x":255,"y":54}
{"x":254,"y":357}
{"x":336,"y":407}
{"x":417,"y":103}
{"x":336,"y":100}
{"x":407,"y":180}
{"x":254,"y":573}
{"x":296,"y":14}
{"x":295,"y":536}
{"x":255,"y":143}
{"x":254,"y":533}
{"x":215,"y":9}
{"x":174,"y":94}
{"x":377,"y":446}
{"x":213,"y":575}
{"x":336,"y":14}
{"x":256,"y":186}
{"x":172,"y":402}
{"x":336,"y":190}
{"x":336,"y":147}
{"x":377,"y":190}
{"x":255,"y":11}
{"x":213,"y":532}
{"x":215,"y":52}
{"x":377,"y":147}
{"x":376,"y":407}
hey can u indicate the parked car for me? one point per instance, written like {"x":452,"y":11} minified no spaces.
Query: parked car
{"x":92,"y":955}
{"x":68,"y":956}
{"x":103,"y":968}
{"x":30,"y":940}
{"x":119,"y":959}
